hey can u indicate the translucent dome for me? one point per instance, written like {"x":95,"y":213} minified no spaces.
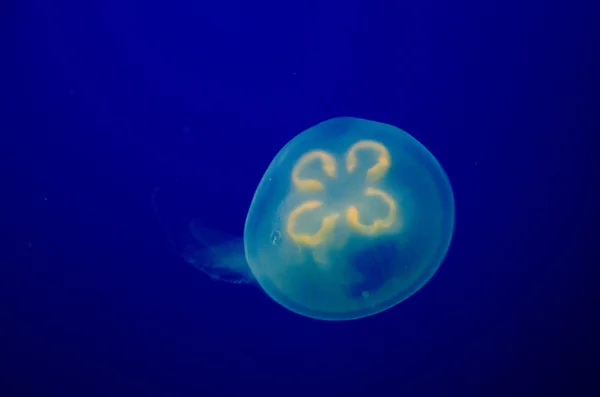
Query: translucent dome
{"x":350,"y":218}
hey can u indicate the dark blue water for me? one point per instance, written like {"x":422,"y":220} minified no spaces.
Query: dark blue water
{"x":103,"y":102}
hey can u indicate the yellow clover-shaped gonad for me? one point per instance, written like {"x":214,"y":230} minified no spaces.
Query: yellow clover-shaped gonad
{"x":328,"y":166}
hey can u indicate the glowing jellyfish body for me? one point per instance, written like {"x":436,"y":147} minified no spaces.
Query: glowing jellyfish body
{"x":351,"y":218}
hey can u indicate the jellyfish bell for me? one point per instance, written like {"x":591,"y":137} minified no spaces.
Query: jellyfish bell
{"x":350,"y":218}
{"x":365,"y":215}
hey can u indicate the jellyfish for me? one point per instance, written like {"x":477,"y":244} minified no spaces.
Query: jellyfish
{"x":350,"y":218}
